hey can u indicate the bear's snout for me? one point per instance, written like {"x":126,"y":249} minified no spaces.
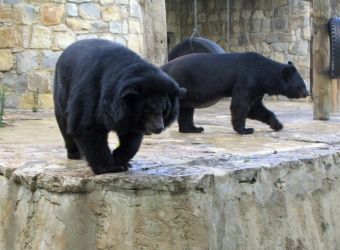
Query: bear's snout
{"x":303,"y":93}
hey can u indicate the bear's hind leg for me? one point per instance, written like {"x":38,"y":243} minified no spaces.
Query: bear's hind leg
{"x":70,"y":145}
{"x":186,"y":121}
{"x":259,"y":112}
{"x":93,"y":144}
{"x":129,"y":144}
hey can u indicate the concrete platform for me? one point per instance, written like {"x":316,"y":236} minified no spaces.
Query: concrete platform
{"x":215,"y":190}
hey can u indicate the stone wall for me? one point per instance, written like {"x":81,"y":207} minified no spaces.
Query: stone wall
{"x":33,"y":34}
{"x":279,"y":29}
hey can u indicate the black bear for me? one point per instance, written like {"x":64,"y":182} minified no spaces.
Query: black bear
{"x":102,"y":86}
{"x":245,"y":77}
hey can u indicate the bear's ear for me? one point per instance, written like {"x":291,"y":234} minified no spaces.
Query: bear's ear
{"x":287,"y":72}
{"x":180,"y":92}
{"x":290,"y":62}
{"x":129,"y":94}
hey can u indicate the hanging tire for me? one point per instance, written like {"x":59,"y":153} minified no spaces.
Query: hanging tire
{"x":196,"y":45}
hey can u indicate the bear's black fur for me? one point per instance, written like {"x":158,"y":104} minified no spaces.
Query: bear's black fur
{"x":102,"y":86}
{"x":245,"y":77}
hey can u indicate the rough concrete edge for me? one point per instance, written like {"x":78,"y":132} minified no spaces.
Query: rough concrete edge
{"x":244,"y":169}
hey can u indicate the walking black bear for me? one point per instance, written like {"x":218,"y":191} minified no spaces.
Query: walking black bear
{"x":102,"y":86}
{"x":246,"y":77}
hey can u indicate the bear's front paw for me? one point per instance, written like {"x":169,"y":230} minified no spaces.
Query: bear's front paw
{"x":191,"y":130}
{"x":245,"y":131}
{"x":276,"y":126}
{"x":110,"y":169}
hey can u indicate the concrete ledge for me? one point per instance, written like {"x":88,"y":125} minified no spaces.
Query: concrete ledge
{"x":216,"y":190}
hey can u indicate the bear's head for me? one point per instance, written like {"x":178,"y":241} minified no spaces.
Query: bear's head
{"x":147,"y":103}
{"x":291,"y":83}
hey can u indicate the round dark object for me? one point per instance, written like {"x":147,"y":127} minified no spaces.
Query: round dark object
{"x":195,"y":45}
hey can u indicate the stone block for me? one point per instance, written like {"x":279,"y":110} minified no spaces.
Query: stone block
{"x":86,"y":36}
{"x":64,"y":39}
{"x":89,"y":11}
{"x":111,"y":13}
{"x":255,"y":25}
{"x":59,"y":27}
{"x":262,"y":48}
{"x":124,"y":11}
{"x":122,"y":1}
{"x":280,"y":23}
{"x":10,"y":37}
{"x":278,"y":3}
{"x":277,"y":56}
{"x":41,"y":37}
{"x":45,"y":101}
{"x":134,"y":26}
{"x":299,"y":48}
{"x":306,"y":34}
{"x":258,"y":14}
{"x":12,"y":1}
{"x":257,"y":37}
{"x":280,"y":46}
{"x":135,"y":9}
{"x":79,"y":1}
{"x":52,"y":14}
{"x":27,"y":61}
{"x":106,"y":2}
{"x":116,"y":27}
{"x":135,"y":43}
{"x":288,"y":37}
{"x":49,"y":59}
{"x":213,"y":18}
{"x":266,"y":25}
{"x":273,"y":37}
{"x":30,"y":14}
{"x":6,"y":59}
{"x":78,"y":24}
{"x":5,"y":13}
{"x":15,"y":82}
{"x":99,"y":27}
{"x":41,"y":81}
{"x":298,"y":21}
{"x":71,"y":9}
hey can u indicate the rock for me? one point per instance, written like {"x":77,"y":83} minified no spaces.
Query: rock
{"x":41,"y":37}
{"x":64,"y":39}
{"x":89,"y":11}
{"x":134,"y":26}
{"x":50,"y":59}
{"x":111,"y":13}
{"x":299,"y":48}
{"x":27,"y":61}
{"x":41,"y":81}
{"x":51,"y":14}
{"x":78,"y":24}
{"x":10,"y":37}
{"x":99,"y":27}
{"x":280,"y":46}
{"x":115,"y":27}
{"x":71,"y":9}
{"x":135,"y":10}
{"x":30,"y":14}
{"x":6,"y":59}
{"x":5,"y":13}
{"x":15,"y":82}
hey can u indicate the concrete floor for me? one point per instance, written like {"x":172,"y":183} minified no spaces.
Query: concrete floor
{"x":215,"y":190}
{"x":35,"y":137}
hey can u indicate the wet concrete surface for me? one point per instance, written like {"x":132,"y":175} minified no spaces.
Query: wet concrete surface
{"x":31,"y":145}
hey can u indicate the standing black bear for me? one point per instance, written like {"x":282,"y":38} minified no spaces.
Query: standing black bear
{"x":245,"y":77}
{"x":102,"y":86}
